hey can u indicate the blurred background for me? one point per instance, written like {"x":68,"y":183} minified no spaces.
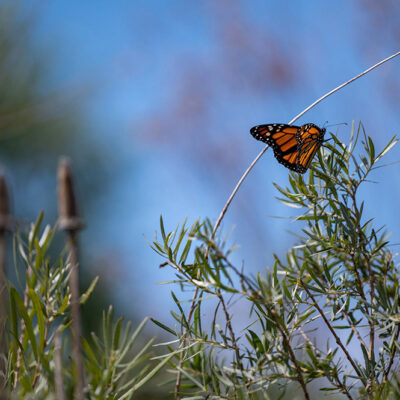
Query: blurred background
{"x":153,"y":102}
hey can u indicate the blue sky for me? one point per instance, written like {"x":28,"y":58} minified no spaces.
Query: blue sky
{"x":134,"y":53}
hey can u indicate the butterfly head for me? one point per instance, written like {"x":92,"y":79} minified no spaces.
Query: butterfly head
{"x":314,"y":131}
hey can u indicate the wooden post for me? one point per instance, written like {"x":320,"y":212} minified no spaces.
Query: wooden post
{"x":5,"y":225}
{"x":70,"y":222}
{"x":58,"y":367}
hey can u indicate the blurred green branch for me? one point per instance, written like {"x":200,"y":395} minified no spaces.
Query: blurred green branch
{"x":38,"y":342}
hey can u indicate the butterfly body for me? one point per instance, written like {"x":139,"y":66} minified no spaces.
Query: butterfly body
{"x":294,"y":146}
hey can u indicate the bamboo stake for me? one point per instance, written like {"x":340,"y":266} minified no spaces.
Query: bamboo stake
{"x":58,"y":367}
{"x":5,"y":225}
{"x":70,"y":222}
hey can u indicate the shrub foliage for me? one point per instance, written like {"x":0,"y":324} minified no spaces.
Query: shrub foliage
{"x":325,"y":317}
{"x":39,"y":341}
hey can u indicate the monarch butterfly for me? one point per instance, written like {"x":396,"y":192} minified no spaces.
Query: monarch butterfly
{"x":294,"y":146}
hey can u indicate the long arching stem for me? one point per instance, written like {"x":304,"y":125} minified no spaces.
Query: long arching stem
{"x":231,"y":197}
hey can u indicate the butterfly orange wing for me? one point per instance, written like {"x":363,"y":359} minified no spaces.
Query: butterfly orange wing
{"x":310,"y":139}
{"x":294,"y":146}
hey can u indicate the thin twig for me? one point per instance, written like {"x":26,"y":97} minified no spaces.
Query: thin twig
{"x":359,"y":281}
{"x":181,"y":356}
{"x":335,"y":377}
{"x":346,"y":315}
{"x":344,"y":84}
{"x":308,"y":340}
{"x":225,"y":209}
{"x":233,"y":338}
{"x":291,"y":353}
{"x":211,"y":343}
{"x":36,"y":374}
{"x":338,"y":341}
{"x":386,"y":375}
{"x":371,"y":319}
{"x":372,"y":324}
{"x":361,"y":244}
{"x":354,"y":329}
{"x":184,"y":337}
{"x":342,"y":387}
{"x":227,"y":316}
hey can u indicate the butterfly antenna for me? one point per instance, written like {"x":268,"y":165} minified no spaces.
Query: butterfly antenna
{"x":340,"y":123}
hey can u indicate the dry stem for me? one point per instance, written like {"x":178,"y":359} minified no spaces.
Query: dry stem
{"x":338,"y":341}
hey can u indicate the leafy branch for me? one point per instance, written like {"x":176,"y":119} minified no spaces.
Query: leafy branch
{"x":341,"y":275}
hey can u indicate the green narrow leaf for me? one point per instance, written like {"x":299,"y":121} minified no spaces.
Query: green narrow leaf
{"x":64,"y":305}
{"x":39,"y":315}
{"x":164,"y":237}
{"x":117,"y":332}
{"x":181,"y":236}
{"x":13,"y":315}
{"x":393,"y":141}
{"x":89,"y":353}
{"x":256,"y":342}
{"x":150,"y":375}
{"x":371,"y":151}
{"x":46,"y":238}
{"x":185,"y":251}
{"x":34,"y":232}
{"x":28,"y":322}
{"x":177,"y":302}
{"x":161,"y":325}
{"x":85,"y":296}
{"x":39,"y":255}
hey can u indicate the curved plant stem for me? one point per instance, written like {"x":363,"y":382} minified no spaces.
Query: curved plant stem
{"x":233,"y":194}
{"x":221,"y":216}
{"x":236,"y":189}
